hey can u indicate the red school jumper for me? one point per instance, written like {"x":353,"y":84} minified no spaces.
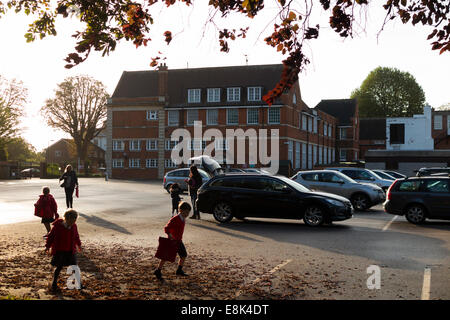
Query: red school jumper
{"x":62,"y":239}
{"x":175,"y":227}
{"x":46,"y":207}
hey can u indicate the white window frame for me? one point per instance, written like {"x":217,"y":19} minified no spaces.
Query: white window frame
{"x":341,"y":157}
{"x":234,"y":94}
{"x":297,"y":155}
{"x":118,"y":145}
{"x":151,"y":163}
{"x":117,"y":163}
{"x":152,"y":144}
{"x":213,"y":95}
{"x":194,"y":95}
{"x":277,"y":115}
{"x":170,"y":145}
{"x":152,"y":114}
{"x":221,"y":144}
{"x":248,"y":115}
{"x":171,"y":115}
{"x":315,"y":124}
{"x":437,"y":124}
{"x":310,"y":124}
{"x":196,"y":144}
{"x":212,"y":114}
{"x":134,"y":163}
{"x":254,"y":93}
{"x":168,"y":163}
{"x":237,"y":116}
{"x":304,"y":157}
{"x":304,"y":122}
{"x":58,"y":153}
{"x":189,"y":115}
{"x":342,"y":136}
{"x":132,"y":146}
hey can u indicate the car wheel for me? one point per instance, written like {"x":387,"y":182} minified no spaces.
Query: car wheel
{"x":415,"y":214}
{"x":360,"y":202}
{"x":314,"y":216}
{"x":223,"y":212}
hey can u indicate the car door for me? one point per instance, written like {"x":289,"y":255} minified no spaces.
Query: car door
{"x":278,"y":200}
{"x":437,"y":197}
{"x":310,"y":180}
{"x":247,"y":197}
{"x":332,"y":183}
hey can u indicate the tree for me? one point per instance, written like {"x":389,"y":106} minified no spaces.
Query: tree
{"x":13,"y":96}
{"x":389,"y":92}
{"x":20,"y":150}
{"x":78,"y":108}
{"x":107,"y":22}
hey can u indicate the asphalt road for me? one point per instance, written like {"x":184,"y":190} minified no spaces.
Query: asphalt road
{"x":413,"y":261}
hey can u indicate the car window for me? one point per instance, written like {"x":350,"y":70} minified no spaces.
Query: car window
{"x":171,"y":174}
{"x":330,"y":177}
{"x":409,"y":186}
{"x":436,"y":186}
{"x":272,"y":185}
{"x":310,"y":176}
{"x":364,"y":175}
{"x":230,"y":183}
{"x":351,"y":173}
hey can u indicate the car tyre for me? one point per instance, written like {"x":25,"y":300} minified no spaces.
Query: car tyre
{"x":415,"y":214}
{"x":360,"y":202}
{"x":223,"y":212}
{"x":314,"y":216}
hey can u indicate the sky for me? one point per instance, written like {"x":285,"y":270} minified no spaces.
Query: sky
{"x":338,"y":66}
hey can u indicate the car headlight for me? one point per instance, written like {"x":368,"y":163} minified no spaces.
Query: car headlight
{"x":335,"y":202}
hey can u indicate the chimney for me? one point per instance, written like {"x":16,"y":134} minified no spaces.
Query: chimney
{"x":163,"y":74}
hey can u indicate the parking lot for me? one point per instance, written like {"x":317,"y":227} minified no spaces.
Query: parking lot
{"x":285,"y":256}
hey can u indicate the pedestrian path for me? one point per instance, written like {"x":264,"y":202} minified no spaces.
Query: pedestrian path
{"x":16,"y":212}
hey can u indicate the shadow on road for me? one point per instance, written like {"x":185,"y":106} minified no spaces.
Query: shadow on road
{"x":104,"y":223}
{"x":225,"y":232}
{"x":441,"y":225}
{"x":394,"y":249}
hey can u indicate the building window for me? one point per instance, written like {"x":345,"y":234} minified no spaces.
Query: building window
{"x":342,"y":155}
{"x":297,"y":155}
{"x":329,"y":130}
{"x":232,"y":116}
{"x":212,"y":116}
{"x":253,"y":116}
{"x":168,"y":163}
{"x":134,"y":163}
{"x":192,"y":115}
{"x":304,"y":155}
{"x":221,"y":144}
{"x":342,"y":133}
{"x":294,"y":99}
{"x":437,"y":122}
{"x":152,"y":115}
{"x":310,"y":128}
{"x":117,"y":163}
{"x":291,"y":152}
{"x":170,"y":144}
{"x":397,"y":133}
{"x":254,"y":93}
{"x":118,"y":145}
{"x":57,"y":153}
{"x":135,"y":145}
{"x":325,"y":127}
{"x":193,"y":95}
{"x":213,"y":95}
{"x":273,"y":115}
{"x":304,"y":122}
{"x":196,"y":144}
{"x":173,"y":117}
{"x":320,"y":154}
{"x":151,"y":163}
{"x":152,"y":144}
{"x":233,"y":94}
{"x":315,"y":124}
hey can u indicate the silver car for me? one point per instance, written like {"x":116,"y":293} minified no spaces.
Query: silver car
{"x":362,"y":195}
{"x":365,"y":175}
{"x":179,"y":176}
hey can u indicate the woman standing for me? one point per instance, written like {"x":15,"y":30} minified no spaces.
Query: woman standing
{"x":194,"y":183}
{"x":69,"y":184}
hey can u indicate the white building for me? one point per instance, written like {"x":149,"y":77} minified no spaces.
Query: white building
{"x":410,"y":134}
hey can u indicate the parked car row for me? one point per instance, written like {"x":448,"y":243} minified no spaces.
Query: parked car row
{"x":316,"y":196}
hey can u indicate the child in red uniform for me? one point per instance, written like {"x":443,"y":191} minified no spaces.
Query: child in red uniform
{"x":46,"y":208}
{"x":174,"y":230}
{"x":64,"y":241}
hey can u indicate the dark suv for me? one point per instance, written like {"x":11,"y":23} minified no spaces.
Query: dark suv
{"x":264,"y":196}
{"x":419,"y":198}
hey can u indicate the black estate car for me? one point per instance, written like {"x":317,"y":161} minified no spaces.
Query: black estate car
{"x":264,"y":196}
{"x":419,"y":198}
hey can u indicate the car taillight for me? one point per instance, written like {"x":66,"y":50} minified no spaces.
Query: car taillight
{"x":164,"y":180}
{"x":388,"y":194}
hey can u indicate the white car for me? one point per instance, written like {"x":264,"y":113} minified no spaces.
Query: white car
{"x":365,"y":176}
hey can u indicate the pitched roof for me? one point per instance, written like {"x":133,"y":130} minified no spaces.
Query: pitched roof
{"x":372,"y":129}
{"x":343,"y":109}
{"x":138,"y":84}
